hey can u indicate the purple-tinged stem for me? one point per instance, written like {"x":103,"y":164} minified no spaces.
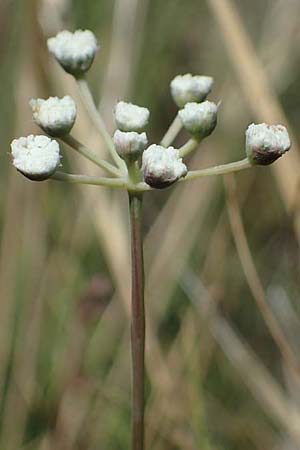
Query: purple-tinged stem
{"x":138,"y":322}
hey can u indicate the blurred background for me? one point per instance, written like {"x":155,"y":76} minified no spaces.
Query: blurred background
{"x":222,"y":254}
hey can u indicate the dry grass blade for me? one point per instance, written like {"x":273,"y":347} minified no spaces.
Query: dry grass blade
{"x":183,"y":361}
{"x":277,"y":49}
{"x":255,"y":285}
{"x":260,"y":382}
{"x":179,"y":234}
{"x":20,"y":337}
{"x":229,"y":423}
{"x":257,"y":89}
{"x":127,"y":34}
{"x":11,"y":241}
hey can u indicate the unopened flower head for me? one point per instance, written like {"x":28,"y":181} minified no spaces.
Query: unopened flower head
{"x":162,"y":166}
{"x":36,"y":157}
{"x":129,"y":144}
{"x":55,"y":116}
{"x":74,"y":51}
{"x":130,"y":117}
{"x":188,"y":88}
{"x":199,"y":119}
{"x":266,"y":143}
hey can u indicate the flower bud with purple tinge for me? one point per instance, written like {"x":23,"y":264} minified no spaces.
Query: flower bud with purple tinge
{"x":74,"y":51}
{"x":266,"y":143}
{"x":162,"y":166}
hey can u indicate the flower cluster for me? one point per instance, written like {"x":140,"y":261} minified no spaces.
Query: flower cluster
{"x":200,"y":119}
{"x":74,"y":51}
{"x":37,"y":157}
{"x":130,"y":145}
{"x":266,"y":143}
{"x":55,"y":116}
{"x":162,"y":166}
{"x":188,"y":88}
{"x":139,"y":166}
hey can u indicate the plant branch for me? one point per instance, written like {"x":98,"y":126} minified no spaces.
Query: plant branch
{"x":138,"y":322}
{"x":97,"y":120}
{"x":95,"y":181}
{"x":218,"y":170}
{"x":189,"y":147}
{"x":172,"y":132}
{"x":83,"y":150}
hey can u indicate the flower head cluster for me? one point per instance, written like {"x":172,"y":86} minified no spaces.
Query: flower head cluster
{"x":74,"y":51}
{"x":130,"y":145}
{"x":130,"y":139}
{"x":162,"y":166}
{"x":188,"y":88}
{"x":55,"y":116}
{"x":131,"y":117}
{"x":199,"y":119}
{"x":266,"y":143}
{"x":197,"y":116}
{"x":36,"y":157}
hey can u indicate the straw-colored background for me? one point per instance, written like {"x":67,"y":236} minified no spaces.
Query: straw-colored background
{"x":222,"y":255}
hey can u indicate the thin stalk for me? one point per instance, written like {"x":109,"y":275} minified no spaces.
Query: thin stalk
{"x":172,"y":132}
{"x":87,"y":153}
{"x":189,"y":147}
{"x":253,"y":279}
{"x":95,"y":181}
{"x":218,"y":170}
{"x":137,"y":322}
{"x":97,"y":120}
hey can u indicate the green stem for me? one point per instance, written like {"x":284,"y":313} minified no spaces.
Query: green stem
{"x":172,"y":132}
{"x":189,"y":147}
{"x":218,"y":170}
{"x":95,"y":181}
{"x":121,"y":183}
{"x":97,"y":120}
{"x":83,"y":150}
{"x":138,"y":322}
{"x":136,"y":188}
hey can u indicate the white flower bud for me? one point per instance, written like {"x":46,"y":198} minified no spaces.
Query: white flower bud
{"x":199,"y":119}
{"x":74,"y":51}
{"x":130,"y":145}
{"x":130,"y":117}
{"x":55,"y":116}
{"x":162,"y":166}
{"x":188,"y":88}
{"x":36,"y":157}
{"x":266,"y":143}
